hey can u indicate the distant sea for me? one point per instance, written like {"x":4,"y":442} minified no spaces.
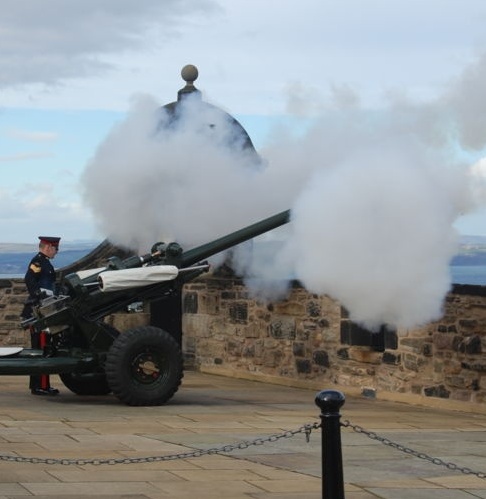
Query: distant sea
{"x":14,"y":264}
{"x":467,"y":267}
{"x":461,"y":274}
{"x":469,"y":274}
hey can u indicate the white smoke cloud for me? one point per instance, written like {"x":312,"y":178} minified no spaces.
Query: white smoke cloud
{"x":374,"y":196}
{"x":477,"y":176}
{"x":183,"y":183}
{"x":375,"y":233}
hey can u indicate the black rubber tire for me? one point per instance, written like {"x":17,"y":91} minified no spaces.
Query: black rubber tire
{"x":86,"y":384}
{"x":144,"y":366}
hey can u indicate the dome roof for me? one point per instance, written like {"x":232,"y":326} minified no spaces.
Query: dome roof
{"x":237,"y":139}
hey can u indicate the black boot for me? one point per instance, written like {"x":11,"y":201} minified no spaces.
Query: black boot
{"x":45,"y":391}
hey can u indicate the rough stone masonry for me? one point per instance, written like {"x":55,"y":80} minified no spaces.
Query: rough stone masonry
{"x":308,"y":340}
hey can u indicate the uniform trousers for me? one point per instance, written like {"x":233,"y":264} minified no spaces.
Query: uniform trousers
{"x":39,"y":340}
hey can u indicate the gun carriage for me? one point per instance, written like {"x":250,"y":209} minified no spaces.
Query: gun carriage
{"x":142,"y":366}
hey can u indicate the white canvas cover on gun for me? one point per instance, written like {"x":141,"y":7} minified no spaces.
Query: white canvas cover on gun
{"x":83,"y":274}
{"x":118,"y":280}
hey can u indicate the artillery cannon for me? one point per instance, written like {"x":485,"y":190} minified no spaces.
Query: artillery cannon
{"x":142,"y":366}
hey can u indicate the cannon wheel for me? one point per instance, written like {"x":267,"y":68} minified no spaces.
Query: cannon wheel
{"x":86,"y":384}
{"x":144,"y":366}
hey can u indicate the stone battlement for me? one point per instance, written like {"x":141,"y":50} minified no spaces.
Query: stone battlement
{"x":308,"y":340}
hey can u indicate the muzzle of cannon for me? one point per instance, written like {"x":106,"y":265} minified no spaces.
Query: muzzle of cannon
{"x":141,"y":366}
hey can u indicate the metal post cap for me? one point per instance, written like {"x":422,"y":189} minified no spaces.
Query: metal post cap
{"x":330,"y":401}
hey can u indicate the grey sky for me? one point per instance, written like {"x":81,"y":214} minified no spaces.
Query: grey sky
{"x":253,"y":54}
{"x":51,"y":41}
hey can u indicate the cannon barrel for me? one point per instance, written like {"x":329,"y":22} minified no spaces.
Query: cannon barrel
{"x":194,"y":255}
{"x":172,"y":253}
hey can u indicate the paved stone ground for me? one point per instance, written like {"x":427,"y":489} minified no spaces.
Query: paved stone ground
{"x":212,"y":411}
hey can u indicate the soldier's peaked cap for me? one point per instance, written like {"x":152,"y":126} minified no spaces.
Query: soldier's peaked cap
{"x":50,"y":240}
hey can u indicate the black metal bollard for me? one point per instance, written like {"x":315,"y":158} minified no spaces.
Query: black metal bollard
{"x":330,"y":401}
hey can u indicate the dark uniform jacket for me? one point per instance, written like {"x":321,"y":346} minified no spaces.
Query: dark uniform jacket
{"x":40,"y":275}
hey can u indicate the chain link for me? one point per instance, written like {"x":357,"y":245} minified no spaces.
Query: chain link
{"x":407,"y":450}
{"x":306,"y":429}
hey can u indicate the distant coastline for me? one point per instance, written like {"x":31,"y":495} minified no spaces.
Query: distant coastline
{"x":13,"y":263}
{"x":467,"y":267}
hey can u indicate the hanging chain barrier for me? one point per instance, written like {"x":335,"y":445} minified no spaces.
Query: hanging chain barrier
{"x":407,"y":450}
{"x":306,"y":429}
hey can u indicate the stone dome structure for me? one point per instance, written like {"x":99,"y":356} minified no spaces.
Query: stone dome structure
{"x":238,"y":139}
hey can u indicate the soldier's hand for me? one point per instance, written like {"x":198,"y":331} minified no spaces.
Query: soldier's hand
{"x":39,"y":296}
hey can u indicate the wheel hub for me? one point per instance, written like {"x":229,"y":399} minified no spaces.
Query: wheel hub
{"x":149,"y":368}
{"x":146,"y":368}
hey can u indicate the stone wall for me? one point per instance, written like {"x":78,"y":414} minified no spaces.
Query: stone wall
{"x":308,"y":340}
{"x":13,"y":294}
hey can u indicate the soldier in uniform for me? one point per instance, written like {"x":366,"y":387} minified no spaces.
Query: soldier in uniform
{"x":40,"y":281}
